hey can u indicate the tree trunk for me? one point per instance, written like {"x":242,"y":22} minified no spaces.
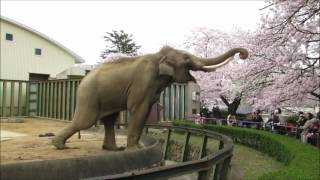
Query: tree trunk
{"x":233,"y":106}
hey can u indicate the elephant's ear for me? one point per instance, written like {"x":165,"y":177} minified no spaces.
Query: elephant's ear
{"x":165,"y":68}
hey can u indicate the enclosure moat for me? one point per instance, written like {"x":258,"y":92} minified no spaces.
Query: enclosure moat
{"x":27,"y":145}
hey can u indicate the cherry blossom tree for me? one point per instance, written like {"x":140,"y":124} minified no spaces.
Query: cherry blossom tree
{"x":283,"y":69}
{"x":219,"y":86}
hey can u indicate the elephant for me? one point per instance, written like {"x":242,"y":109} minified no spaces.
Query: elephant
{"x":133,"y":84}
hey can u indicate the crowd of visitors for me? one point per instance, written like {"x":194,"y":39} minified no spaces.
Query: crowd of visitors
{"x":307,"y":127}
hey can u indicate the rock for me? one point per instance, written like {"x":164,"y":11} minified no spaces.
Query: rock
{"x":46,"y":135}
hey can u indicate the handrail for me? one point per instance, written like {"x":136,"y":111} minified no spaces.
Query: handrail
{"x":203,"y":165}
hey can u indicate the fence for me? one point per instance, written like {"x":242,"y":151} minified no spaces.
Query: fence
{"x":14,"y":98}
{"x":209,"y":166}
{"x":57,"y":98}
{"x":53,"y":99}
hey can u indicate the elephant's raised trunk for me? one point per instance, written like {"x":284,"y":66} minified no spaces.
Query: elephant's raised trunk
{"x":211,"y":64}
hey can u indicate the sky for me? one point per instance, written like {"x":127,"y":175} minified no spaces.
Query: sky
{"x":80,"y":25}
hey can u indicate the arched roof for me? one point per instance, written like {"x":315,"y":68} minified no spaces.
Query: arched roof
{"x":77,"y":58}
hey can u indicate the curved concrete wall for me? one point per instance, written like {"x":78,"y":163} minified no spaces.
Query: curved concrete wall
{"x":85,"y":167}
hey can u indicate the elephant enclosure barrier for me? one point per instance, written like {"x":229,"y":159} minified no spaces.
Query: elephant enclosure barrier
{"x":208,"y":166}
{"x":57,"y":98}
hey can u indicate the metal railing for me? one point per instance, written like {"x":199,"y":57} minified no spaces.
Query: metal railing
{"x":204,"y":165}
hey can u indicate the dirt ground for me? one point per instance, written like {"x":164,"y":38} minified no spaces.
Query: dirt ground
{"x":33,"y":147}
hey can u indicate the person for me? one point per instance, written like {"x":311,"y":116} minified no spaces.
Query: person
{"x":231,"y":120}
{"x":278,"y":111}
{"x":302,"y":120}
{"x":310,"y":128}
{"x":273,"y":121}
{"x":268,"y":124}
{"x":259,"y":119}
{"x":300,"y":123}
{"x":252,"y":121}
{"x":198,"y":119}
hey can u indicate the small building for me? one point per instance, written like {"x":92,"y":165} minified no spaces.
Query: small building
{"x":75,"y":72}
{"x":27,"y":54}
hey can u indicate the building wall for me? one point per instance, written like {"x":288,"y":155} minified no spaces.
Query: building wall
{"x":193,"y":97}
{"x":18,"y":57}
{"x":173,"y":102}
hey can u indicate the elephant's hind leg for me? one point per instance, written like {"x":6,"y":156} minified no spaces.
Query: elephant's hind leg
{"x":109,"y":142}
{"x":83,"y":119}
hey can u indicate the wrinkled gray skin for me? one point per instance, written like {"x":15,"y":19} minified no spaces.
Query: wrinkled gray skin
{"x":133,"y":84}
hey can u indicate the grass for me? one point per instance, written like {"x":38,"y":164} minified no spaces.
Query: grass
{"x":253,"y":163}
{"x":248,"y":162}
{"x":301,"y":161}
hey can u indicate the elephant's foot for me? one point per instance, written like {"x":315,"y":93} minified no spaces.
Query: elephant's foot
{"x":58,"y":143}
{"x":112,"y":148}
{"x":134,"y":147}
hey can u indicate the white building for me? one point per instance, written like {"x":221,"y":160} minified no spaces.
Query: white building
{"x":27,"y":54}
{"x":75,"y":72}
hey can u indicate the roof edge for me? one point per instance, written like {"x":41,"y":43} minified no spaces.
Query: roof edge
{"x":78,"y":59}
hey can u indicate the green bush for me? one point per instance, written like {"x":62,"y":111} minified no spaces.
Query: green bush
{"x":292,"y":119}
{"x":242,"y":116}
{"x":302,"y":161}
{"x":224,"y":114}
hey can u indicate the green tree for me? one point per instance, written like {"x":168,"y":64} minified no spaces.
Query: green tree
{"x":119,"y":42}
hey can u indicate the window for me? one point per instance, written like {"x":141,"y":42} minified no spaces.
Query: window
{"x":9,"y":37}
{"x":37,"y":51}
{"x":195,"y":96}
{"x":194,"y":111}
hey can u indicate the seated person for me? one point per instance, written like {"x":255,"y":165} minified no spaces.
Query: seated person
{"x":273,"y":121}
{"x":310,"y":128}
{"x":301,"y":121}
{"x":258,"y":119}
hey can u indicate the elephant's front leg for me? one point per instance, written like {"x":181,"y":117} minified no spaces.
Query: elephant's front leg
{"x":109,"y":142}
{"x":138,"y":117}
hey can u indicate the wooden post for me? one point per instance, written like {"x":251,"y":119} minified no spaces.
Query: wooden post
{"x":166,"y":146}
{"x":28,"y":86}
{"x":64,"y":87}
{"x":73,"y":96}
{"x":51,"y":99}
{"x":4,"y":98}
{"x":47,"y":99}
{"x":19,"y":98}
{"x":38,"y":98}
{"x":204,"y":175}
{"x":219,"y":166}
{"x":146,"y":130}
{"x":59,"y":100}
{"x":225,"y":168}
{"x":12,"y":99}
{"x":55,"y":105}
{"x":42,"y":99}
{"x":185,"y":150}
{"x":203,"y":151}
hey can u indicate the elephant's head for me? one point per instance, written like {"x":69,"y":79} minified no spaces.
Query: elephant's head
{"x":177,"y":64}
